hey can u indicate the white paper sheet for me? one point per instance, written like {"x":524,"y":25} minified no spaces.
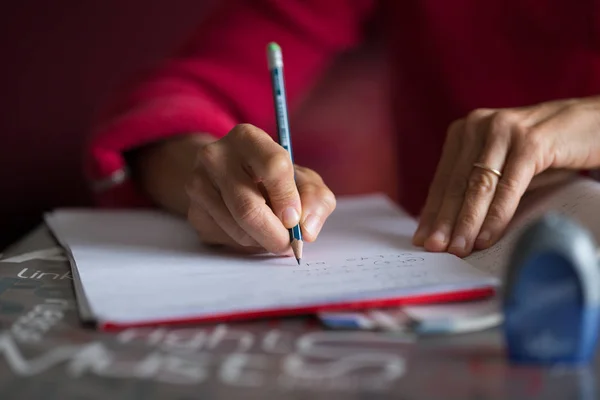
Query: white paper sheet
{"x":145,"y":266}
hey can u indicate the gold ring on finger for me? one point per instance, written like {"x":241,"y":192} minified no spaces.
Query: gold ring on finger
{"x":490,"y":169}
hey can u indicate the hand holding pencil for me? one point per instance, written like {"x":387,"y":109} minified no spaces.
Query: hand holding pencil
{"x":246,"y":193}
{"x":275,"y":59}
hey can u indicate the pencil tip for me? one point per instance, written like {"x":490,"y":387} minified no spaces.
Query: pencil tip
{"x":297,"y":248}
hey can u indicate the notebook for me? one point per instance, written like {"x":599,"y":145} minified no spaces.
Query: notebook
{"x":146,"y":267}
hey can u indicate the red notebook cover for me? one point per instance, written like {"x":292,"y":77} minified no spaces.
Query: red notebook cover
{"x":461,"y":295}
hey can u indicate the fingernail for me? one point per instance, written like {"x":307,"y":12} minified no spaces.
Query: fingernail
{"x":483,"y":239}
{"x":458,"y":243}
{"x":312,"y":224}
{"x":290,"y":217}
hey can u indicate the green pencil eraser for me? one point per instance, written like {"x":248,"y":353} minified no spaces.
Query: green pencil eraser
{"x":273,"y":47}
{"x":274,"y":55}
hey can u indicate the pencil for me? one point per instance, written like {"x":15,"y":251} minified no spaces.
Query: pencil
{"x":275,"y":60}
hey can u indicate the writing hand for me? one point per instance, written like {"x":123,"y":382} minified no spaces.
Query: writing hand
{"x":243,"y":194}
{"x":469,"y":205}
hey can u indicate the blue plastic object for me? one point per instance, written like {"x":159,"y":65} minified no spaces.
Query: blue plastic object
{"x":551,"y":298}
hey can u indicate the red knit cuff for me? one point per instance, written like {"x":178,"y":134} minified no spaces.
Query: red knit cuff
{"x":105,"y":165}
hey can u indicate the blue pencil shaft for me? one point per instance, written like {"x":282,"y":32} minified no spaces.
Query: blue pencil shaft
{"x":280,"y":101}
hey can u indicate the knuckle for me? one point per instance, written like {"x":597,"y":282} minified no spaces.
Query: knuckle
{"x":533,"y":141}
{"x":244,"y":132}
{"x":209,"y":154}
{"x":279,"y":164}
{"x":477,"y":115}
{"x":503,"y":123}
{"x":328,"y":198}
{"x":480,"y":184}
{"x":509,"y":124}
{"x":504,"y":119}
{"x":521,"y":133}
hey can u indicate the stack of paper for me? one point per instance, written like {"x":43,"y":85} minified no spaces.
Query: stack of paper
{"x":147,"y":267}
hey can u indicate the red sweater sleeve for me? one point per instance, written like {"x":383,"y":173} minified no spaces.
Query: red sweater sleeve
{"x":219,"y":78}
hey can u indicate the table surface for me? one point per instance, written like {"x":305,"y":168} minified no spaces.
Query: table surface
{"x":46,"y":353}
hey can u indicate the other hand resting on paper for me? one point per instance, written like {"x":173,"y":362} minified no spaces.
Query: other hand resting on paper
{"x":469,"y":206}
{"x":241,"y":191}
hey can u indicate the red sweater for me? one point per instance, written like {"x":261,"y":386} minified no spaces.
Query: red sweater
{"x":447,"y":57}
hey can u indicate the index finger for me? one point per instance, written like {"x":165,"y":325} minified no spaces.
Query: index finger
{"x":270,"y":164}
{"x":440,"y":180}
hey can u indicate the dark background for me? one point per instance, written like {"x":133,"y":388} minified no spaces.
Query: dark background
{"x":60,"y":59}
